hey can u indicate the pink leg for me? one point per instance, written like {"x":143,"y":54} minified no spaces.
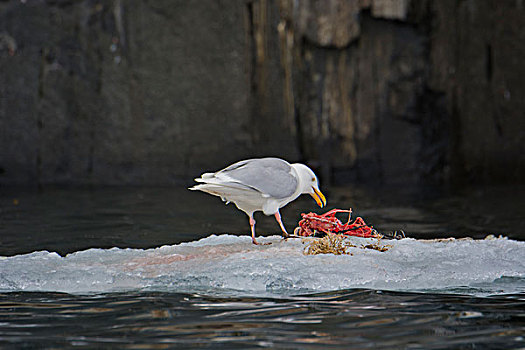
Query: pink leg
{"x":278,"y":218}
{"x":252,"y":226}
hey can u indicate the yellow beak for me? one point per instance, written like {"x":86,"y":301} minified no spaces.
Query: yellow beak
{"x":319,"y":197}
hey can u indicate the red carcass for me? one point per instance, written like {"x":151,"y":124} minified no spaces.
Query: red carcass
{"x":313,"y":224}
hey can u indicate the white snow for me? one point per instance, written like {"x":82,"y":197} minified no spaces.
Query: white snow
{"x":229,"y":264}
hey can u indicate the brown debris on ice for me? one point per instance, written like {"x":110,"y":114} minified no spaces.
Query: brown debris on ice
{"x":337,"y":245}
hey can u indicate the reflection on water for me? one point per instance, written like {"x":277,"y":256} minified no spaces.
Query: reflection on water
{"x":345,"y":319}
{"x":67,"y":220}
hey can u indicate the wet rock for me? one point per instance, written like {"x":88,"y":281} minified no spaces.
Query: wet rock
{"x":156,"y":92}
{"x":331,"y":23}
{"x":390,"y":9}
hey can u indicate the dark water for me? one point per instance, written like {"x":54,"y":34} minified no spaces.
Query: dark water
{"x":68,"y":220}
{"x":353,"y":319}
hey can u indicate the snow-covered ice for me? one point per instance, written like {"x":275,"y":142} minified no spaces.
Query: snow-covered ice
{"x":229,"y":264}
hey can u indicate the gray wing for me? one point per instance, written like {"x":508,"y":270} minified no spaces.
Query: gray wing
{"x":271,"y":176}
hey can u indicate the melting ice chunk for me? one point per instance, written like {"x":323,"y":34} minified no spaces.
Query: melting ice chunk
{"x":231,"y":264}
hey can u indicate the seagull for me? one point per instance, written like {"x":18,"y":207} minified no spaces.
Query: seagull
{"x":262,"y":184}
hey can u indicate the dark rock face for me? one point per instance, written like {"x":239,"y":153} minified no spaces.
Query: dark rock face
{"x":125,"y":91}
{"x":481,"y":75}
{"x":365,"y":99}
{"x":143,"y":92}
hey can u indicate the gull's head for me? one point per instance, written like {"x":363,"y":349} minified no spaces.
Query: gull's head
{"x":309,"y":184}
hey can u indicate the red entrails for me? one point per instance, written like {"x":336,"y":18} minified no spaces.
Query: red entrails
{"x":312,"y":224}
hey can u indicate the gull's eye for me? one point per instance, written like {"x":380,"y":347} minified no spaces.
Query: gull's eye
{"x":313,"y":179}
